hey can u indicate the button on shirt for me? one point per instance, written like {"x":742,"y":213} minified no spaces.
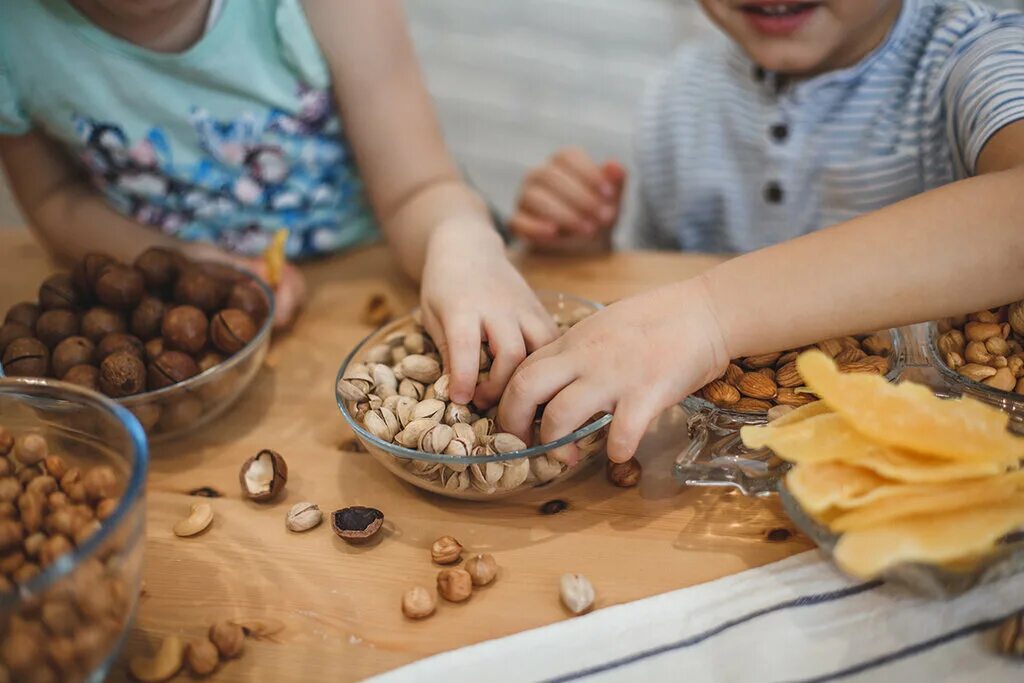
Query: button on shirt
{"x":732,"y":158}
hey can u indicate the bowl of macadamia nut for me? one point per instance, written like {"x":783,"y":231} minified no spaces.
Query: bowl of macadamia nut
{"x":982,"y":355}
{"x":72,"y":529}
{"x":393,"y":392}
{"x":175,"y":341}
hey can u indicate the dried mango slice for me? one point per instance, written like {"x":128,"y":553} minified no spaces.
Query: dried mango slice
{"x":909,"y":416}
{"x":802,"y":413}
{"x":830,"y":438}
{"x":274,"y":257}
{"x":925,"y":499}
{"x":941,"y":538}
{"x":821,"y":486}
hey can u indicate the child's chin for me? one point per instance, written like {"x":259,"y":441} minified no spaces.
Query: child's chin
{"x":790,"y":60}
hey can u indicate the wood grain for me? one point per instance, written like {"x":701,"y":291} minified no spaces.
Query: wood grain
{"x":340,"y":603}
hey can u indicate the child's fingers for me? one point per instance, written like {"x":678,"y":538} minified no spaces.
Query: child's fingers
{"x":531,"y":229}
{"x":462,"y":335}
{"x":538,"y":331}
{"x":614,"y":173}
{"x":505,"y":340}
{"x":546,"y":205}
{"x":578,"y":163}
{"x":572,"y":189}
{"x":533,"y":384}
{"x":632,"y":417}
{"x":570,"y":409}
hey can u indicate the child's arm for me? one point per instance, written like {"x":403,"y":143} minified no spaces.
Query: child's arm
{"x":438,"y":228}
{"x":72,"y":219}
{"x":954,"y":249}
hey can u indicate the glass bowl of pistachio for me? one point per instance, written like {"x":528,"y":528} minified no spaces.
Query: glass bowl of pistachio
{"x":393,"y":392}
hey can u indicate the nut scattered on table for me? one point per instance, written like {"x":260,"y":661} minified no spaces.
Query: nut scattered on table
{"x":446,"y":550}
{"x":577,"y":593}
{"x":303,"y":516}
{"x":454,"y":584}
{"x":986,"y":347}
{"x":482,"y":569}
{"x":263,"y":476}
{"x":1011,"y":636}
{"x":200,"y":517}
{"x":357,"y":524}
{"x":228,"y":638}
{"x":202,"y":656}
{"x":418,"y":603}
{"x":163,"y":665}
{"x":624,"y":474}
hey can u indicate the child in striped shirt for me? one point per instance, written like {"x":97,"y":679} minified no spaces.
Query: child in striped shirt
{"x":898,"y":124}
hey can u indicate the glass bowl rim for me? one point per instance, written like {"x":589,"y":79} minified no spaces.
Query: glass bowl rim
{"x":68,"y":562}
{"x":241,"y":356}
{"x":955,"y":378}
{"x":410,"y":454}
{"x":695,"y":403}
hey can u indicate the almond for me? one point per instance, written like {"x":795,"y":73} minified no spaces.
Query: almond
{"x":721,"y":393}
{"x":786,"y":358}
{"x":751,"y":405}
{"x":851,"y":355}
{"x":849,"y":342}
{"x":788,"y":376}
{"x":762,"y":361}
{"x":756,"y":385}
{"x":975,"y":331}
{"x":880,"y":362}
{"x":792,"y":397}
{"x":832,"y":347}
{"x":859,"y":366}
{"x":733,"y":374}
{"x":767,"y":372}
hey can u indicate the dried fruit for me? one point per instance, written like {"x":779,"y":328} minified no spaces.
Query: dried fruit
{"x":454,"y":584}
{"x":418,"y":603}
{"x":357,"y":524}
{"x":446,"y":550}
{"x":576,"y":592}
{"x":482,"y":569}
{"x":263,"y":476}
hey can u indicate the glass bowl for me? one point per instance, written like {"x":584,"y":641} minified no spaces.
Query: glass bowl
{"x":181,"y":408}
{"x":716,"y":456}
{"x":1008,"y":401}
{"x":927,"y":579}
{"x":68,"y":622}
{"x":485,"y":477}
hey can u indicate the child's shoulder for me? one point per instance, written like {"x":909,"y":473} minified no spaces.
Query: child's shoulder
{"x":952,"y":25}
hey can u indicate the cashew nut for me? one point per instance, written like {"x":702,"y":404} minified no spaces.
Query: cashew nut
{"x":200,"y":518}
{"x":163,"y":665}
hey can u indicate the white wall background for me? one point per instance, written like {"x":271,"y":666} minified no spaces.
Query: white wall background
{"x":516,"y":79}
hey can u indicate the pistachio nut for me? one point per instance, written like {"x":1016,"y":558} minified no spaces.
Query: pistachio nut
{"x":421,"y":368}
{"x":382,"y":423}
{"x":384,"y":381}
{"x":455,"y":413}
{"x":417,"y":343}
{"x":411,"y":388}
{"x":459,"y":447}
{"x":516,"y":472}
{"x":483,"y":427}
{"x":577,"y":593}
{"x":430,"y":408}
{"x":353,"y":390}
{"x":465,"y":432}
{"x":381,"y":353}
{"x":545,"y":468}
{"x":303,"y":516}
{"x":507,"y":443}
{"x":410,"y":436}
{"x":441,"y":387}
{"x":436,"y":439}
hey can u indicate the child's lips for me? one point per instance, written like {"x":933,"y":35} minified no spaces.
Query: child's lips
{"x":778,"y":17}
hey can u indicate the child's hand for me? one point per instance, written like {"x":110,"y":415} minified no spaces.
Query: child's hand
{"x":470,"y":293}
{"x":569,"y":203}
{"x":634,"y":359}
{"x":289,"y":294}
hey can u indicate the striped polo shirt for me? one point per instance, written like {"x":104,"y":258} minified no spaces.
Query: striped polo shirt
{"x":732,"y":158}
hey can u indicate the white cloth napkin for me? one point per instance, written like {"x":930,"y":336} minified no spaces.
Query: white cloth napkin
{"x":795,"y":620}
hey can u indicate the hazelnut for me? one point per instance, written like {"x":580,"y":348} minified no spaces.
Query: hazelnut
{"x":170,"y":368}
{"x":159,"y":268}
{"x":56,"y":325}
{"x":357,"y":524}
{"x":11,"y":331}
{"x":122,"y":374}
{"x":208,"y":360}
{"x":454,"y":584}
{"x":26,"y":313}
{"x":446,"y":550}
{"x":202,"y":657}
{"x":263,"y":475}
{"x":148,"y":415}
{"x":57,"y":291}
{"x":418,"y":603}
{"x":88,"y":271}
{"x":6,"y":441}
{"x":624,"y":474}
{"x":228,"y":638}
{"x":231,"y":330}
{"x":147,"y":318}
{"x":98,"y":322}
{"x":119,"y":341}
{"x":154,"y":348}
{"x":100,"y":482}
{"x":26,"y":357}
{"x":71,"y":352}
{"x":86,"y":376}
{"x":200,"y":289}
{"x":119,"y":287}
{"x":246,"y":297}
{"x":482,"y":569}
{"x":184,"y":328}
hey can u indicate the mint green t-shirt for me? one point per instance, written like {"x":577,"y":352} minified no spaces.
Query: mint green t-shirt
{"x":226,"y":142}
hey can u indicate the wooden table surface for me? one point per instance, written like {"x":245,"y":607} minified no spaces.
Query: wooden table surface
{"x":340,"y":603}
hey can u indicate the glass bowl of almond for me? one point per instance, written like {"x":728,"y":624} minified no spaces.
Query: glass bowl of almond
{"x":755,"y":390}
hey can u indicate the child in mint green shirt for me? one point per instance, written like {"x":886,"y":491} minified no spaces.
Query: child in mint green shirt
{"x":209,"y":125}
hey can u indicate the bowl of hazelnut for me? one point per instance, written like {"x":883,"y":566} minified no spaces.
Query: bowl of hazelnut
{"x":175,"y":341}
{"x":982,"y":355}
{"x":72,"y":486}
{"x":393,"y":392}
{"x":756,"y":390}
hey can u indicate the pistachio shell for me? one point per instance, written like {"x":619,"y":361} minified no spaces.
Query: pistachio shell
{"x":352,"y":390}
{"x":441,"y":387}
{"x":456,"y":413}
{"x":410,"y":436}
{"x":507,"y":443}
{"x":381,"y":353}
{"x":545,"y":468}
{"x":430,"y":408}
{"x":459,"y":447}
{"x":465,"y":432}
{"x":421,"y":368}
{"x":436,"y":439}
{"x":483,"y":427}
{"x":411,"y":388}
{"x":515,"y":474}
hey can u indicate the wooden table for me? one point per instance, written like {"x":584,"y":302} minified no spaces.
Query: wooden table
{"x":340,"y":603}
